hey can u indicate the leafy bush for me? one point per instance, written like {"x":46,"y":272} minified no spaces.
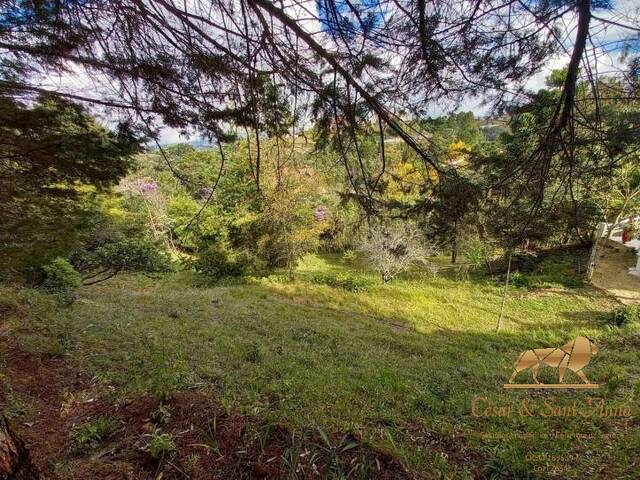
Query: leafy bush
{"x":88,"y":436}
{"x":507,"y":464}
{"x":293,"y":219}
{"x":524,"y":261}
{"x":161,"y":415}
{"x":349,"y":282}
{"x":113,"y":251}
{"x":350,"y":257}
{"x":519,"y":280}
{"x":160,"y":445}
{"x":253,"y":353}
{"x":478,"y":253}
{"x":61,"y":279}
{"x":614,"y":378}
{"x":165,"y":378}
{"x":626,"y":315}
{"x":274,"y":278}
{"x":340,"y":231}
{"x":134,"y":255}
{"x":516,"y":279}
{"x":219,"y":261}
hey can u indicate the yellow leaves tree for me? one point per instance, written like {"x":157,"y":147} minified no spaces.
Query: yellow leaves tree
{"x":458,"y":152}
{"x":293,"y":219}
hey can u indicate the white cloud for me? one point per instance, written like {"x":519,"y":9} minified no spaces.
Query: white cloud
{"x":170,"y":135}
{"x":77,"y":81}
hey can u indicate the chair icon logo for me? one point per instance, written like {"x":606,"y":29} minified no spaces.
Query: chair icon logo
{"x":573,"y":356}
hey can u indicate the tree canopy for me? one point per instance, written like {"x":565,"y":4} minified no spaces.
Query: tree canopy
{"x":54,"y":157}
{"x":271,"y":67}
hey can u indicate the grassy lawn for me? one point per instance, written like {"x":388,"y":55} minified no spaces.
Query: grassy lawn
{"x":398,"y":365}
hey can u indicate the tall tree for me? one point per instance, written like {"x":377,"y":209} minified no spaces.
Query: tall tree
{"x":53,"y":158}
{"x":205,"y":64}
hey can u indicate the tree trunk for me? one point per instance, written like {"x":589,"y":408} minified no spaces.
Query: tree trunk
{"x":504,"y":296}
{"x":454,"y":246}
{"x":481,"y":232}
{"x":613,"y":226}
{"x":593,"y":255}
{"x":291,"y":264}
{"x":15,"y":462}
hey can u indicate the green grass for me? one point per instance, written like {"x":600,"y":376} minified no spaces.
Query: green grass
{"x":398,"y":364}
{"x":89,"y":435}
{"x":160,"y":445}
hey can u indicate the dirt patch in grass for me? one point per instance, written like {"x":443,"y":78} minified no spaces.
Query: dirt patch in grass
{"x":77,"y":429}
{"x":453,"y":448}
{"x":35,"y":385}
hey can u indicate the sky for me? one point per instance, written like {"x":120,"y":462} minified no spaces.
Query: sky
{"x":606,"y":59}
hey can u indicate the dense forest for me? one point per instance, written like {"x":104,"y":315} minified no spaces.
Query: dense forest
{"x":151,"y":209}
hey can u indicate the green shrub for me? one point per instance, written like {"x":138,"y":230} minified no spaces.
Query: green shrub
{"x":350,"y":257}
{"x":614,"y":378}
{"x":519,"y":280}
{"x":161,"y":415}
{"x":507,"y":464}
{"x":516,"y":279}
{"x":114,"y":251}
{"x":253,"y":353}
{"x":160,"y":445}
{"x":219,"y":261}
{"x":89,"y":435}
{"x":164,"y":380}
{"x":61,"y":279}
{"x":524,"y":262}
{"x":275,"y":278}
{"x":135,"y":255}
{"x":626,"y":315}
{"x":351,"y":283}
{"x":478,"y":253}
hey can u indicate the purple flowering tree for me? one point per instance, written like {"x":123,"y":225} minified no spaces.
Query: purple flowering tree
{"x":320,"y":213}
{"x":147,"y":187}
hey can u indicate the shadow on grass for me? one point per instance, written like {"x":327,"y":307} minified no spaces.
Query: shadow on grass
{"x":333,"y":365}
{"x":417,"y":309}
{"x":588,"y":318}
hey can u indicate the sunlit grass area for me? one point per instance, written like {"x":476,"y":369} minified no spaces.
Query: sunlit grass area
{"x":396,"y":364}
